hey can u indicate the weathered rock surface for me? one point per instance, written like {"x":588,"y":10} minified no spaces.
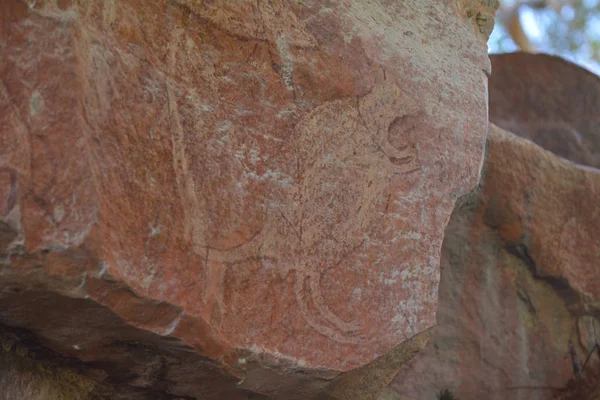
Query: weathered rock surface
{"x":25,"y":377}
{"x":224,"y":198}
{"x":548,"y":100}
{"x":519,"y":280}
{"x":519,"y":262}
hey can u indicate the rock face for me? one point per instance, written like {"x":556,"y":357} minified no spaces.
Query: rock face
{"x":249,"y":196}
{"x":549,"y":101}
{"x":520,"y":278}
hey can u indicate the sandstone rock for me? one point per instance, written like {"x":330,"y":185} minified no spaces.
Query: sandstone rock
{"x":550,"y":101}
{"x":519,"y":280}
{"x":217,"y":198}
{"x":24,"y":377}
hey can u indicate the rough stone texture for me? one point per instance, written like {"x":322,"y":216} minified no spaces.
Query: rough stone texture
{"x":261,"y":187}
{"x":481,"y":13}
{"x":519,"y":280}
{"x":583,"y":387}
{"x":519,"y":262}
{"x":550,"y":101}
{"x":24,"y":376}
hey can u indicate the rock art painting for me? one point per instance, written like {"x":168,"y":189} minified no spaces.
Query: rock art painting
{"x":264,"y":182}
{"x":333,"y":198}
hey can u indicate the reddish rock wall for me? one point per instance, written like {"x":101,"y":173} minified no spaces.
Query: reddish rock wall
{"x":520,"y":275}
{"x":550,"y":101}
{"x":264,"y":183}
{"x":519,"y":280}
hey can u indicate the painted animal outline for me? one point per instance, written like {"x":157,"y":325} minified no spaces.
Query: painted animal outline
{"x":361,"y":142}
{"x":356,"y":147}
